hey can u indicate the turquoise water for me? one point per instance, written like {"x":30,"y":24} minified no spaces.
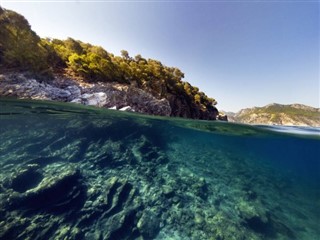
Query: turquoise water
{"x":74,"y":172}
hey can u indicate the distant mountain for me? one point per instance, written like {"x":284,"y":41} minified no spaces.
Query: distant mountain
{"x":278,"y":114}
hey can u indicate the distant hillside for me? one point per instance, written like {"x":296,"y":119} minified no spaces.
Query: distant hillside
{"x":278,"y":114}
{"x":22,"y":50}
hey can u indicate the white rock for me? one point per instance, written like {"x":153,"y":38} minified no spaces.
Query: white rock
{"x":94,"y":99}
{"x":76,"y":100}
{"x":127,"y":109}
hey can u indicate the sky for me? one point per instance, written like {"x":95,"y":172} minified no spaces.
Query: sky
{"x":242,"y":53}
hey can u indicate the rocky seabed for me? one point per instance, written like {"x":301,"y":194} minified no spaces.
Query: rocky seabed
{"x":97,"y":178}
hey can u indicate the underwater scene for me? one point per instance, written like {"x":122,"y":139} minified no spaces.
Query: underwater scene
{"x":69,"y":171}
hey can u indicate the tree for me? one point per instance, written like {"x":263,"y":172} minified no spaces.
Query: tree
{"x":138,"y":57}
{"x":73,"y":46}
{"x":19,"y":45}
{"x":178,"y":74}
{"x":125,"y":54}
{"x":197,"y":98}
{"x":53,"y":59}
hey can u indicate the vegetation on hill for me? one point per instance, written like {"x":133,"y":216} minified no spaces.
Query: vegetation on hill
{"x":294,"y":114}
{"x":21,"y":49}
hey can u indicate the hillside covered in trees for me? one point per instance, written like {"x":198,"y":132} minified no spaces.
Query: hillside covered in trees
{"x":21,"y":49}
{"x":279,"y":114}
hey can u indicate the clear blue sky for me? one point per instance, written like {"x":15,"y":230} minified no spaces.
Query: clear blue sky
{"x":242,"y":53}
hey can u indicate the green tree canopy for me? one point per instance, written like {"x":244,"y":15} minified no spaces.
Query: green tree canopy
{"x":22,"y":49}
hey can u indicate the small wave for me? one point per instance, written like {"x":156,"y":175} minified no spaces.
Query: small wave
{"x":300,"y":130}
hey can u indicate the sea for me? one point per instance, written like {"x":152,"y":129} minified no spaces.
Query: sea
{"x":69,"y":171}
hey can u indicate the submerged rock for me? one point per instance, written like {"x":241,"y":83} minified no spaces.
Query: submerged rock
{"x":54,"y":193}
{"x":26,"y":179}
{"x":69,"y":175}
{"x":149,"y":224}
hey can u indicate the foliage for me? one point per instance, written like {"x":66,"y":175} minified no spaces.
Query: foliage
{"x":275,"y":112}
{"x":21,"y":48}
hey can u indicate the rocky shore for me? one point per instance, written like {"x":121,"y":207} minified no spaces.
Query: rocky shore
{"x":107,"y":95}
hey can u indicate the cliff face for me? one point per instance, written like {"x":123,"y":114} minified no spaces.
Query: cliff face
{"x":108,"y":95}
{"x":277,"y":114}
{"x":182,"y":107}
